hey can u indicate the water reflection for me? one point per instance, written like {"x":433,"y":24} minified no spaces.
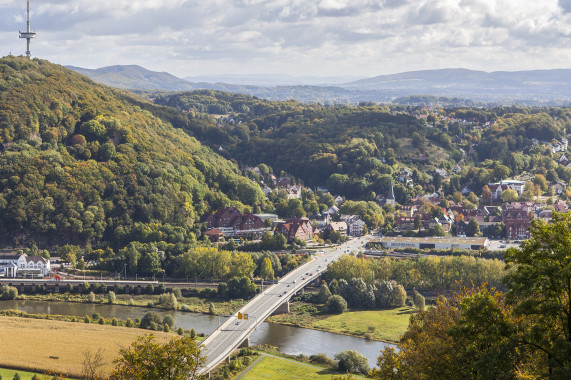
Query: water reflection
{"x":288,"y":339}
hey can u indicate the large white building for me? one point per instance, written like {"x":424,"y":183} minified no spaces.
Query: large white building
{"x":14,"y":264}
{"x":392,"y":242}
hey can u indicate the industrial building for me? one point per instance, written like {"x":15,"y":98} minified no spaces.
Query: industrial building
{"x":393,"y":242}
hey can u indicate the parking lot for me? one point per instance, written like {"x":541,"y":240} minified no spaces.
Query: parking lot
{"x":496,"y":245}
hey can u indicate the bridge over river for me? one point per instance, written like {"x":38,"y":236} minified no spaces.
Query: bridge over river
{"x":234,"y":332}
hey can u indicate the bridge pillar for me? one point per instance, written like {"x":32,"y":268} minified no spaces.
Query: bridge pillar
{"x":245,"y":343}
{"x":282,"y":309}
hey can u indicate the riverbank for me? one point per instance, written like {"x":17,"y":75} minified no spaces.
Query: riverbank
{"x":191,"y":304}
{"x":42,"y":345}
{"x":380,"y":325}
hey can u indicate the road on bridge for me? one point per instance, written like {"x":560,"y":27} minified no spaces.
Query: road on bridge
{"x":230,"y":335}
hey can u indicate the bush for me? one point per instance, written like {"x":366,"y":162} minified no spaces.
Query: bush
{"x":168,"y":301}
{"x":150,"y":318}
{"x":323,"y":359}
{"x":111,"y":298}
{"x":336,"y":304}
{"x":86,"y":319}
{"x":8,"y":292}
{"x":177,"y":293}
{"x":114,"y":321}
{"x":91,"y":297}
{"x":418,"y":300}
{"x":129,"y":323}
{"x":168,"y":320}
{"x":353,"y":362}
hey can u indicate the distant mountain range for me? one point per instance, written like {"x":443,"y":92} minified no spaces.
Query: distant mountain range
{"x":451,"y":86}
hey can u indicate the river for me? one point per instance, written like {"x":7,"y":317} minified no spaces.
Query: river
{"x":288,"y":339}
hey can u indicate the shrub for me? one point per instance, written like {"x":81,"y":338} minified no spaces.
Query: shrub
{"x":86,"y":319}
{"x":323,"y":359}
{"x":95,"y":316}
{"x":168,"y":320}
{"x":336,"y":304}
{"x":193,"y":333}
{"x":111,"y":298}
{"x":177,"y":293}
{"x":91,"y":297}
{"x":8,"y":292}
{"x":150,"y":318}
{"x":418,"y":300}
{"x":114,"y":321}
{"x":180,"y":331}
{"x":129,"y":323}
{"x":353,"y":362}
{"x":168,"y":301}
{"x":101,"y":321}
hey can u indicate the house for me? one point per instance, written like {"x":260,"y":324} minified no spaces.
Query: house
{"x":498,"y":187}
{"x":443,"y":173}
{"x":404,"y":223}
{"x":517,"y":217}
{"x":558,"y":187}
{"x":230,"y":217}
{"x":14,"y":264}
{"x":355,"y":225}
{"x":340,"y":227}
{"x":409,"y":210}
{"x":357,"y":228}
{"x":333,"y":210}
{"x":294,"y":192}
{"x":296,"y":228}
{"x":214,"y":235}
{"x":560,"y":206}
{"x":322,"y":219}
{"x":339,"y":200}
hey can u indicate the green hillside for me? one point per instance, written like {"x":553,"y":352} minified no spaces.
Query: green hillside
{"x":85,"y":164}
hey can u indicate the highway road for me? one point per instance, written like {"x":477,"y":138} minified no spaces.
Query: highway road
{"x":230,"y":335}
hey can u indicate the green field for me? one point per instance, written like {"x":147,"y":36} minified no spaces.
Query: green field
{"x":383,"y":325}
{"x":270,"y":367}
{"x":8,"y":374}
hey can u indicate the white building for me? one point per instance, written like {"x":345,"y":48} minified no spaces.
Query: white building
{"x":474,"y":243}
{"x":19,"y":264}
{"x":356,"y":228}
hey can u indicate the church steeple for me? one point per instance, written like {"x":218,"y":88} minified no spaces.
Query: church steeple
{"x":391,"y":194}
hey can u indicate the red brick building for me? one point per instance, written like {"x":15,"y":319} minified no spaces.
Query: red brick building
{"x":231,"y":217}
{"x":294,"y":228}
{"x":517,"y":217}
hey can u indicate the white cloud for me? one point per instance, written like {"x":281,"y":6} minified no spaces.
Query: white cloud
{"x":322,"y":37}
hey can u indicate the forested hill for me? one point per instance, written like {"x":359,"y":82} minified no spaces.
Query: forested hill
{"x":355,"y":150}
{"x":82,"y":163}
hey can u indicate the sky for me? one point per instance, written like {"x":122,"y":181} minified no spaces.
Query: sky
{"x":361,"y":38}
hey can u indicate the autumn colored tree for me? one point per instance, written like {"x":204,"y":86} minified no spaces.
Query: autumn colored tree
{"x":145,"y":359}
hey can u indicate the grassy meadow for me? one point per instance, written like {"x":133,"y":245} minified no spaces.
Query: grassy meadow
{"x":46,"y":345}
{"x":383,"y":325}
{"x":271,"y":367}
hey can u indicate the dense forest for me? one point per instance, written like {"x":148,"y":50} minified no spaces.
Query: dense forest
{"x":84,"y":164}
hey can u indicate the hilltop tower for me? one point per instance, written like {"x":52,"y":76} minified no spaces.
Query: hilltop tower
{"x":28,"y":35}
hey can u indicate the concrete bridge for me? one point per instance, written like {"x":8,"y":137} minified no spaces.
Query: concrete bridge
{"x":234,"y":332}
{"x":25,"y":284}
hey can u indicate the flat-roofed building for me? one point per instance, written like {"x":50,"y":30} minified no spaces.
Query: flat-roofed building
{"x":393,"y":242}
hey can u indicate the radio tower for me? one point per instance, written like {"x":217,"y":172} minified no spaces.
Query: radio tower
{"x":28,"y":35}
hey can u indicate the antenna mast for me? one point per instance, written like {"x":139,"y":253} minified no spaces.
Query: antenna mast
{"x":28,"y":34}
